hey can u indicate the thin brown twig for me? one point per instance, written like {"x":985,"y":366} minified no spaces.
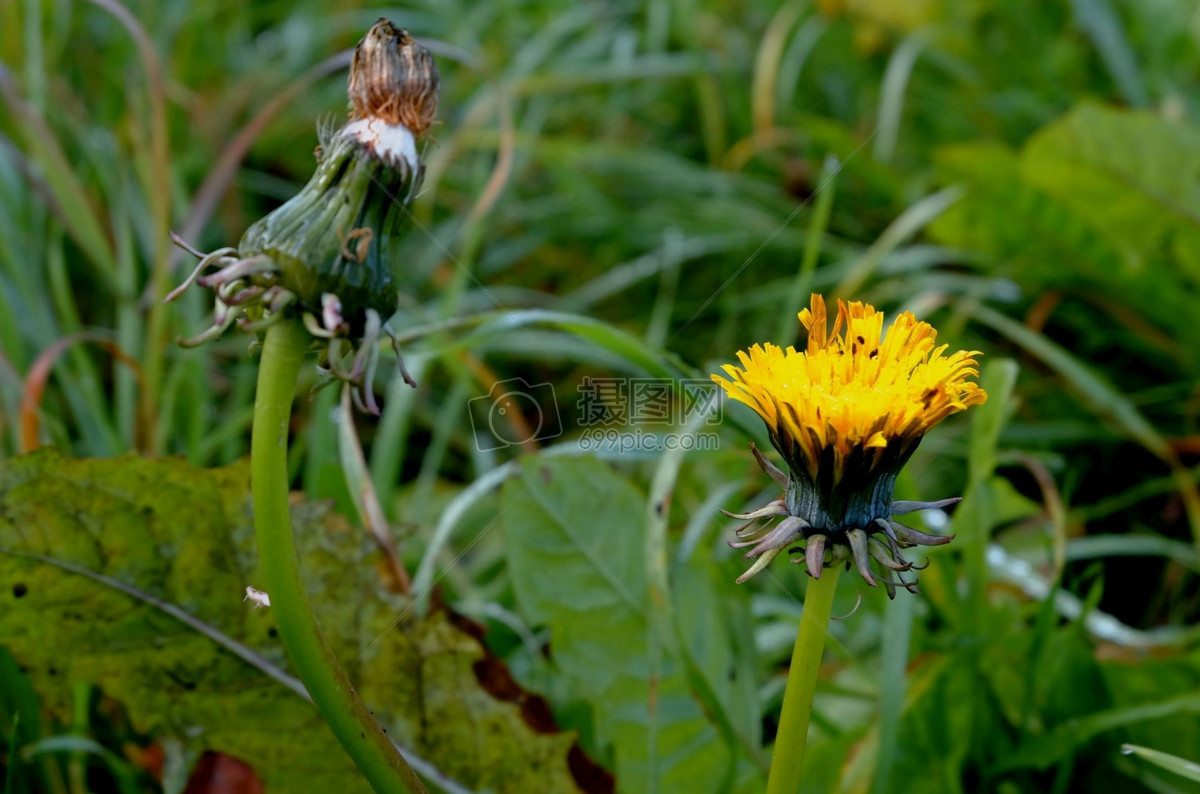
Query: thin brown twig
{"x":39,"y":374}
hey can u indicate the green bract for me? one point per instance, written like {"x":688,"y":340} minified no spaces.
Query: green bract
{"x":335,"y":236}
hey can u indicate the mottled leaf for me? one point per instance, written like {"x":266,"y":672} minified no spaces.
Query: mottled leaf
{"x":184,"y":536}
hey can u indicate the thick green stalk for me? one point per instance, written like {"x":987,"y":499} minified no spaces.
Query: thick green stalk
{"x":788,"y":759}
{"x":336,"y":700}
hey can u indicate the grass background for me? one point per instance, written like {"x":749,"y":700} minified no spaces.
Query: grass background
{"x":640,"y":189}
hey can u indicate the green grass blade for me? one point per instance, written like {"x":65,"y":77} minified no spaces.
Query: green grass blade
{"x":1104,"y":399}
{"x":817,"y":224}
{"x":71,"y":203}
{"x":912,"y":220}
{"x":1171,"y":763}
{"x":973,"y":520}
{"x":1102,"y":24}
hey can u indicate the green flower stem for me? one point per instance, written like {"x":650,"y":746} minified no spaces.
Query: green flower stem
{"x":788,"y":759}
{"x":360,"y":735}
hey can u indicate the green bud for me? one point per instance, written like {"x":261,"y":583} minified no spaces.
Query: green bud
{"x":326,"y":255}
{"x":336,"y":236}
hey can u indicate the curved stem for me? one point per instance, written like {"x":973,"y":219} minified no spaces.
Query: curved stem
{"x":360,"y":735}
{"x":787,"y":762}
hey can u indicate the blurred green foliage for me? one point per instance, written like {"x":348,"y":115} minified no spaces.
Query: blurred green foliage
{"x":627,"y":189}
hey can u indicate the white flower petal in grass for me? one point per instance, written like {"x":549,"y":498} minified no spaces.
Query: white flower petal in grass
{"x":257,"y":598}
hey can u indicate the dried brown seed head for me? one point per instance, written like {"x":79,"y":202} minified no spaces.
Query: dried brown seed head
{"x":393,"y":78}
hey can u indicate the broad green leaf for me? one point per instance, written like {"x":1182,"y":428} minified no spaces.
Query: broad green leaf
{"x":1090,"y":205}
{"x":715,"y":625}
{"x":1100,"y":21}
{"x":1098,"y":193}
{"x":692,"y":616}
{"x":859,"y":773}
{"x":1125,"y":175}
{"x":1003,"y":215}
{"x":136,"y":583}
{"x":574,"y":535}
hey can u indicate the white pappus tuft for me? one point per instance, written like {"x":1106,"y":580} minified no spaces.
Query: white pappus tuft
{"x":394,"y":144}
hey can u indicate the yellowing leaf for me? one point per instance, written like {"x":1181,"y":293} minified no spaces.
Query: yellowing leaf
{"x":77,"y":535}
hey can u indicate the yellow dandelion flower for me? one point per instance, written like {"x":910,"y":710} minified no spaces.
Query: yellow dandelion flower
{"x":846,"y":413}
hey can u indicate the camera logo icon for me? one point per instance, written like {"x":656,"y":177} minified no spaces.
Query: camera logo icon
{"x":514,"y":412}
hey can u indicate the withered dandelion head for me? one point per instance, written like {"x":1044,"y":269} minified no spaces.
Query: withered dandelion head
{"x":325,"y":256}
{"x":846,"y":413}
